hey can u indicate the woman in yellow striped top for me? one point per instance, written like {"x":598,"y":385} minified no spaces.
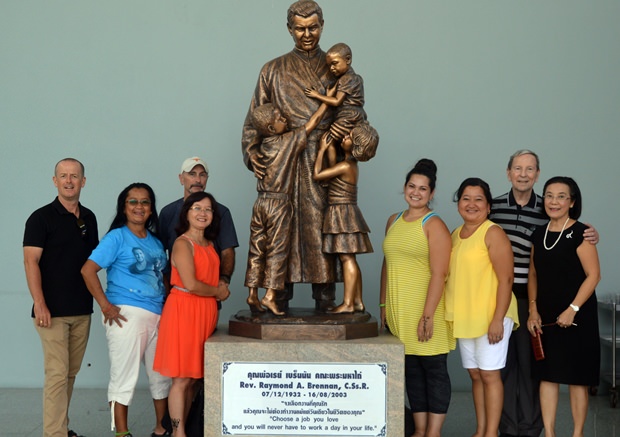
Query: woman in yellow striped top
{"x":417,"y":252}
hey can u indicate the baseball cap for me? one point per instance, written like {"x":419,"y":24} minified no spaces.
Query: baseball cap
{"x":190,"y":163}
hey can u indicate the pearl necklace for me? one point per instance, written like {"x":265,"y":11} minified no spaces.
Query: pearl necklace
{"x":560,"y":236}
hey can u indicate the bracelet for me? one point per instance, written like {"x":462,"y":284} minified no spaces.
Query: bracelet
{"x":381,"y":305}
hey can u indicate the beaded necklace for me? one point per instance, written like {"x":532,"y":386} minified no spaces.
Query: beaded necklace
{"x":559,"y":236}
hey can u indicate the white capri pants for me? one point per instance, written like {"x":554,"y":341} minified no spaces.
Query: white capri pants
{"x":129,"y":345}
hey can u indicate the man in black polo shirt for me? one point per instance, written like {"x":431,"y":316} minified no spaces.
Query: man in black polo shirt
{"x":58,"y":239}
{"x":519,"y":212}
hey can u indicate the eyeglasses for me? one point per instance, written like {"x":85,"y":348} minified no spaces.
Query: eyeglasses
{"x":198,"y":209}
{"x":135,"y":202}
{"x":559,"y":197}
{"x":82,"y":225}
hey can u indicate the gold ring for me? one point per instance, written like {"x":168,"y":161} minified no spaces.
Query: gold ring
{"x":41,"y":322}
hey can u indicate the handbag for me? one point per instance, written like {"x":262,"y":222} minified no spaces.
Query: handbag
{"x":537,"y":347}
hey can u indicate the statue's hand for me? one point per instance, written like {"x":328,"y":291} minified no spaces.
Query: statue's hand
{"x":257,"y":166}
{"x":311,"y":92}
{"x":326,"y":141}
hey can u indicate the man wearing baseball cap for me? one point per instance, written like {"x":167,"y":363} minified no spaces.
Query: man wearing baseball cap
{"x":194,"y":175}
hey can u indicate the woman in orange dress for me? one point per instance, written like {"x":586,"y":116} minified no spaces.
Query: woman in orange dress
{"x":190,"y":313}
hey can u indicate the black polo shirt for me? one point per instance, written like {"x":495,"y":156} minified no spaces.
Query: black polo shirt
{"x":66,"y":248}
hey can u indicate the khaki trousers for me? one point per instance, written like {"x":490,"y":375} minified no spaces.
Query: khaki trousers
{"x":64,"y":344}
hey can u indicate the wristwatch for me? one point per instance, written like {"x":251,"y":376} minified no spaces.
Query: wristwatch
{"x":574,"y":307}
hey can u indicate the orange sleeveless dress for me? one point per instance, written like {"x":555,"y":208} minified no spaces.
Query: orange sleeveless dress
{"x":187,"y":320}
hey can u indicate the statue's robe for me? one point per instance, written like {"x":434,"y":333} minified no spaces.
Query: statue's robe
{"x":282,"y":82}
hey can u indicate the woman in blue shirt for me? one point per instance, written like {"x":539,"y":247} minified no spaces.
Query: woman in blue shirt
{"x":132,"y":302}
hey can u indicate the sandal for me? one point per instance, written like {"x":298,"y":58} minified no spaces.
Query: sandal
{"x":124,"y":434}
{"x":72,"y":433}
{"x":166,"y":433}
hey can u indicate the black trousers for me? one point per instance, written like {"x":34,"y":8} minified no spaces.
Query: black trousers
{"x":521,"y":415}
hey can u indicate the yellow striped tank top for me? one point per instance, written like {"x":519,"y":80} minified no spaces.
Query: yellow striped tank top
{"x":408,"y":273}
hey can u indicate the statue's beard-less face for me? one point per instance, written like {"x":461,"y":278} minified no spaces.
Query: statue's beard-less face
{"x":306,"y":32}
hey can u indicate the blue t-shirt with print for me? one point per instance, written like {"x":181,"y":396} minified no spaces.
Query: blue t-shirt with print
{"x":133,"y":267}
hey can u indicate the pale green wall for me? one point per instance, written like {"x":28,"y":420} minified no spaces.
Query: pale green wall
{"x":132,"y":88}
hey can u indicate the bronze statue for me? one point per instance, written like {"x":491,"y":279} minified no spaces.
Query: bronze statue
{"x":345,"y":231}
{"x":282,"y":82}
{"x":349,"y":98}
{"x":270,"y":227}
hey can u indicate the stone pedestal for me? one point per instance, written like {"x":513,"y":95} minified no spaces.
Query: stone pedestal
{"x":224,"y":348}
{"x":303,"y":324}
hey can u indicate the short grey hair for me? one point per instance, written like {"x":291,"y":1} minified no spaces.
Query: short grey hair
{"x":521,"y":153}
